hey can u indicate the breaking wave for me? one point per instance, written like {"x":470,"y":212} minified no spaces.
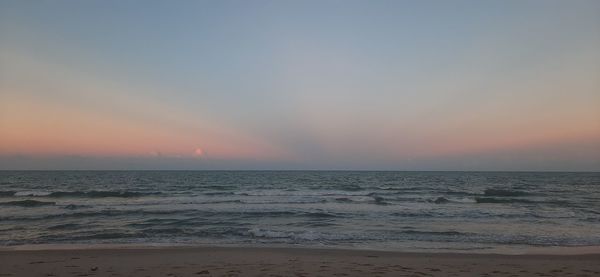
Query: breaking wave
{"x":504,"y":192}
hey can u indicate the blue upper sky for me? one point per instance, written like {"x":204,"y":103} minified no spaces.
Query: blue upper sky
{"x":418,"y":85}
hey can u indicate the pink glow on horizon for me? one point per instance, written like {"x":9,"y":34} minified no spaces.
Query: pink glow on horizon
{"x":198,"y":152}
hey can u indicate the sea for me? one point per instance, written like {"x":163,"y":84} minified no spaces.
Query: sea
{"x":383,"y":210}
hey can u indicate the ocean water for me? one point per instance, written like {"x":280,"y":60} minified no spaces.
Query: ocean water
{"x":408,"y":211}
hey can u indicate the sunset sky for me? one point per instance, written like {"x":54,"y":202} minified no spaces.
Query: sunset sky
{"x":391,"y":85}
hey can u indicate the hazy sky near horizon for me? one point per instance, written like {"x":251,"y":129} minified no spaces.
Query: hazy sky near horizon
{"x":407,"y":85}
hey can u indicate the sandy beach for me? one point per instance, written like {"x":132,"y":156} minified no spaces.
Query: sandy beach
{"x":236,"y":261}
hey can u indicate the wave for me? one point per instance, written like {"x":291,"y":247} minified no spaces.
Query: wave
{"x":502,"y":200}
{"x":441,"y":200}
{"x":216,"y":187}
{"x":182,"y":212}
{"x":297,"y":193}
{"x":107,"y":213}
{"x":445,"y":200}
{"x":400,"y":189}
{"x":218,"y":193}
{"x":80,"y":194}
{"x":27,"y":203}
{"x":351,"y":188}
{"x":256,"y":232}
{"x":517,"y":200}
{"x":295,"y":236}
{"x":214,"y":202}
{"x":74,"y":207}
{"x":66,"y":226}
{"x":434,"y":233}
{"x":101,"y":194}
{"x":7,"y":193}
{"x":214,"y":232}
{"x":309,"y":235}
{"x":379,"y":200}
{"x":504,"y":192}
{"x":31,"y":193}
{"x":290,"y":201}
{"x":343,"y":200}
{"x":317,"y":214}
{"x":312,"y":224}
{"x":459,"y":193}
{"x":165,"y":231}
{"x":99,"y":236}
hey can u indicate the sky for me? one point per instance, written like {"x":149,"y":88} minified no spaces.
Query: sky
{"x":348,"y":85}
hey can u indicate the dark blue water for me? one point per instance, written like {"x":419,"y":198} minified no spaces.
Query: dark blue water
{"x":381,"y":210}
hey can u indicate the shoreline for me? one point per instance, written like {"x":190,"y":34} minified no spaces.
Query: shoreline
{"x":544,"y":250}
{"x":270,"y":261}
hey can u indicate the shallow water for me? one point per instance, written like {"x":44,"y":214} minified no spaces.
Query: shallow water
{"x":455,"y":211}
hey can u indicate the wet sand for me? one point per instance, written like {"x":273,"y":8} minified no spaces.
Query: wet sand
{"x":246,"y":261}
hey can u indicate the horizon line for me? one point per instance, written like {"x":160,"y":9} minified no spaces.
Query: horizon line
{"x":320,"y":170}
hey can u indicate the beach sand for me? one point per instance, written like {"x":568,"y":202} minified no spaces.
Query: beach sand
{"x":246,"y":261}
